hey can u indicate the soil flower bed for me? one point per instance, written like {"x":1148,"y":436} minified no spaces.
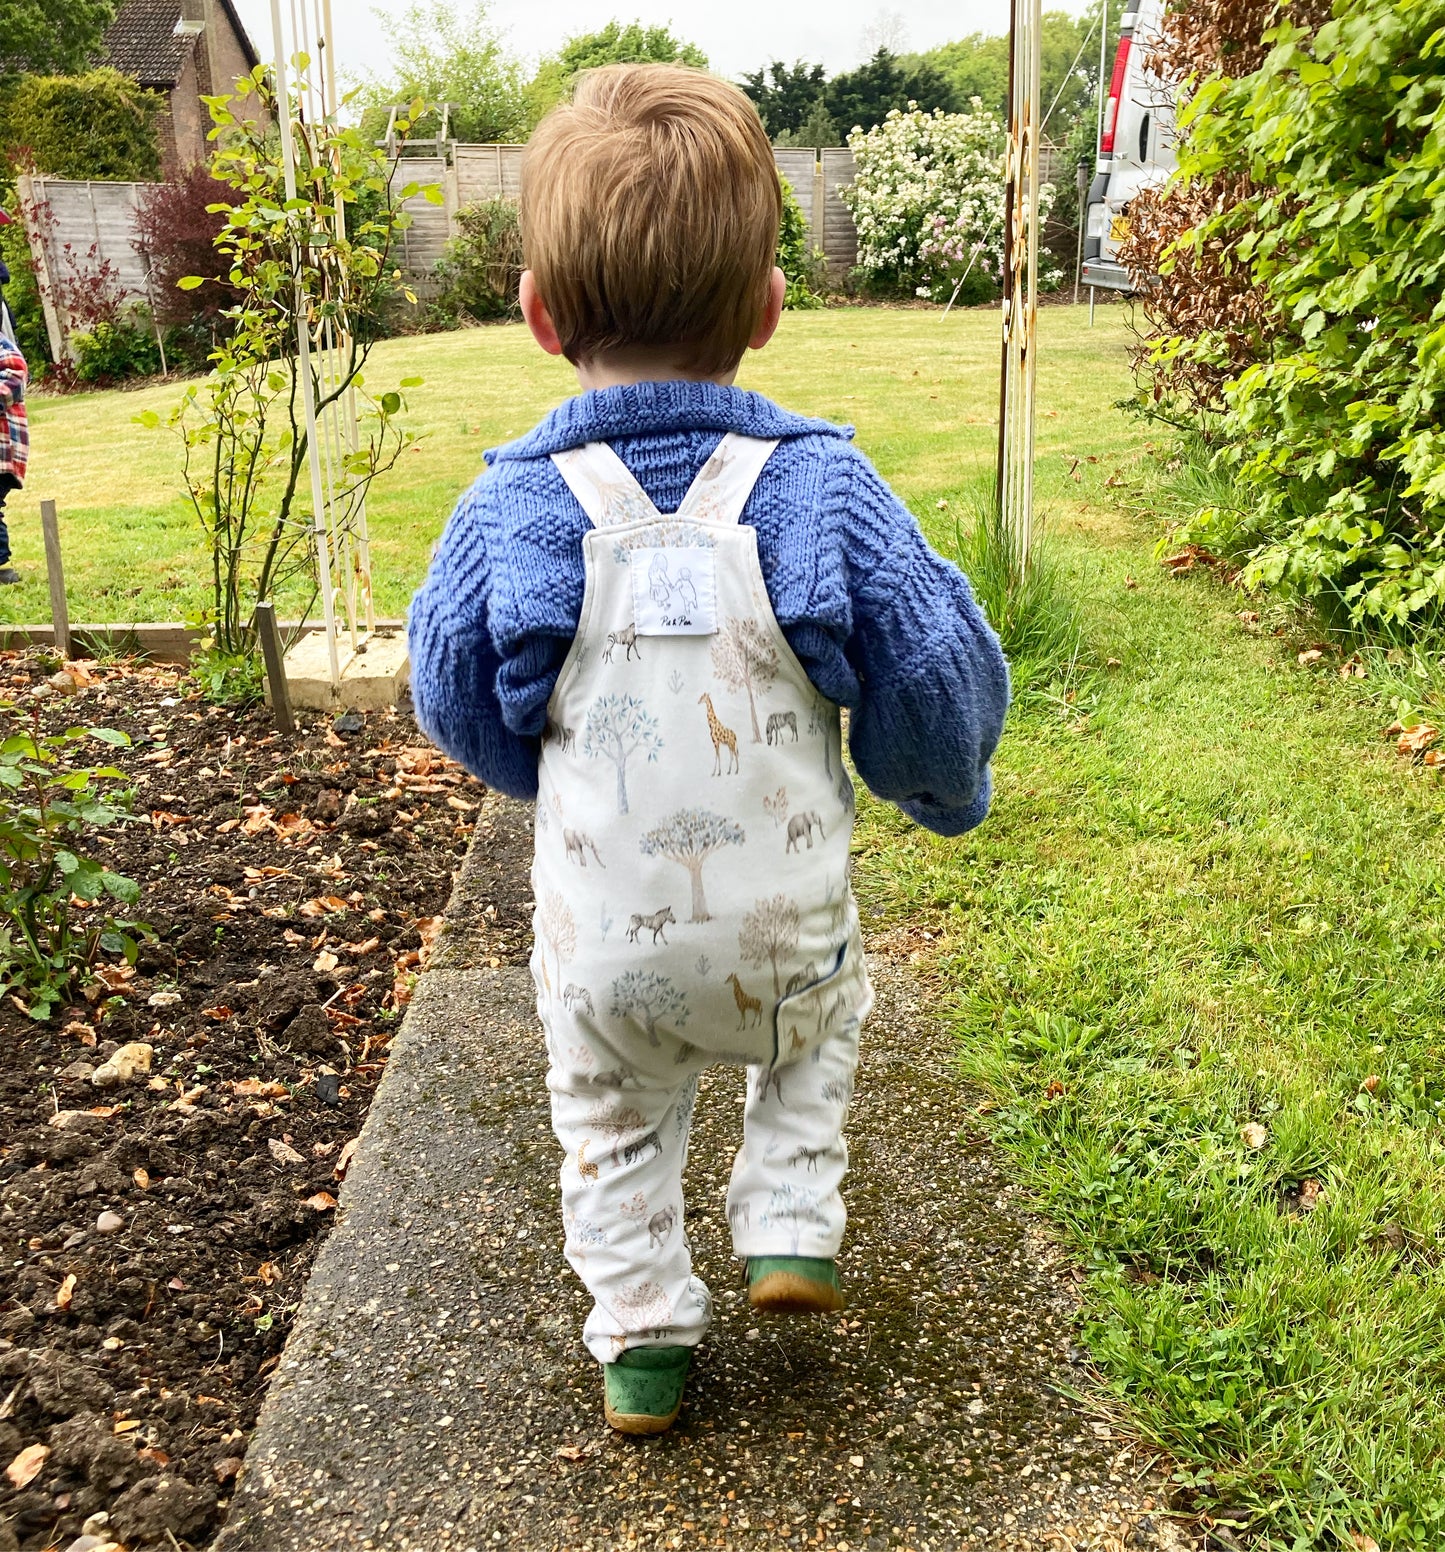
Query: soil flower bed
{"x":171,"y":1146}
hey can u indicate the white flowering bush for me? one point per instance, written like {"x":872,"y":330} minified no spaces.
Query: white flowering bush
{"x":928,"y":202}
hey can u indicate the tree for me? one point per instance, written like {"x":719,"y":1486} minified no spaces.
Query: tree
{"x":790,"y":1207}
{"x":744,"y":658}
{"x":770,"y":931}
{"x":862,"y":98}
{"x":689,"y":837}
{"x":443,"y":53}
{"x":626,"y":1121}
{"x":557,"y":927}
{"x":98,"y":125}
{"x":817,"y":129}
{"x":617,"y":727}
{"x":614,"y":44}
{"x":245,"y":441}
{"x":977,"y":66}
{"x":643,"y":1307}
{"x":52,"y":37}
{"x":785,"y":101}
{"x":177,"y":224}
{"x":649,"y":998}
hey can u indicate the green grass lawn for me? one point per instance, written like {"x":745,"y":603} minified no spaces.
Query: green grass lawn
{"x":920,"y":388}
{"x":1210,"y":898}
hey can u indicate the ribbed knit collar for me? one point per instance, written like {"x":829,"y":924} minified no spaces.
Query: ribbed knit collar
{"x":641,"y":409}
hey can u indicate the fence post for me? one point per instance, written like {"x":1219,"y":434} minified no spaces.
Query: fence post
{"x":59,"y":611}
{"x":275,"y":666}
{"x":32,"y":218}
{"x":820,"y":195}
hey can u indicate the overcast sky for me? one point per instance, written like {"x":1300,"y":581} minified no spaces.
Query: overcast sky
{"x":736,"y":35}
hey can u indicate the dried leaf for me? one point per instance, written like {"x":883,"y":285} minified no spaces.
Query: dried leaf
{"x":1253,"y":1134}
{"x":220,"y":1013}
{"x":64,"y":1291}
{"x":1310,"y":656}
{"x":325,"y":961}
{"x":323,"y":1201}
{"x":260,"y":1087}
{"x":283,"y":1152}
{"x":344,"y":1158}
{"x":24,"y":1469}
{"x":1310,"y":1192}
{"x":142,"y":1179}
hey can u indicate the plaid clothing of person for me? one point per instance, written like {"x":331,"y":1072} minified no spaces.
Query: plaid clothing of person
{"x":14,"y":429}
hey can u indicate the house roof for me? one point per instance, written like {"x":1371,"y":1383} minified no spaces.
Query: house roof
{"x":142,"y":40}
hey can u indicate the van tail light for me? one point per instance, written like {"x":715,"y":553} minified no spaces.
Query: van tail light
{"x":1116,"y":91}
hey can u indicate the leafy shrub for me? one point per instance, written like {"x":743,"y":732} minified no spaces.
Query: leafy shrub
{"x":97,"y":125}
{"x":48,"y":806}
{"x":928,"y":199}
{"x":176,"y":234}
{"x":481,"y":268}
{"x":1334,"y":434}
{"x":801,"y":264}
{"x":23,"y":293}
{"x":114,"y":350}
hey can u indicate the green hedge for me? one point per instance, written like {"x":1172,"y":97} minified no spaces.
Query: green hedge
{"x":1336,"y":439}
{"x":98,"y":125}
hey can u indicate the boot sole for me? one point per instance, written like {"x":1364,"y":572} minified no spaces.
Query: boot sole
{"x":787,"y":1293}
{"x":639,"y":1423}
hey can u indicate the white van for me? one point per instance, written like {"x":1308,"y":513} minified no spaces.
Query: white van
{"x":1136,"y":146}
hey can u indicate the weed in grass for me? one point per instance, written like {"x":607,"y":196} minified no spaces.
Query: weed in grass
{"x":1027,"y":599}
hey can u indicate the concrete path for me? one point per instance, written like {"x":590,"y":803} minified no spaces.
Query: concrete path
{"x":435,"y":1394}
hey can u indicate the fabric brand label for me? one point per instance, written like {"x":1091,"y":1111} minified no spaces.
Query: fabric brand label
{"x":674,"y":592}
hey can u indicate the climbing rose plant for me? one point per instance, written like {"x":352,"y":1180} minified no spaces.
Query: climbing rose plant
{"x":928,"y":202}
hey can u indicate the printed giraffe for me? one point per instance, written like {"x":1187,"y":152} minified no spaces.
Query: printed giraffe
{"x":721,"y":735}
{"x":746,"y":1004}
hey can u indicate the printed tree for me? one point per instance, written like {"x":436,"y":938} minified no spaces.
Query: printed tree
{"x":647,"y":997}
{"x":689,"y":837}
{"x":790,"y":1208}
{"x":820,"y":722}
{"x":770,"y":931}
{"x":744,"y":658}
{"x":557,"y":927}
{"x":618,"y":727}
{"x":627,"y":1121}
{"x":642,"y":1307}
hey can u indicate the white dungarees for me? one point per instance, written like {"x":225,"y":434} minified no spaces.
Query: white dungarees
{"x":692,"y":900}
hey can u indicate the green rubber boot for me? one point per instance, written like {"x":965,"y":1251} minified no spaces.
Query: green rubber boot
{"x":793,"y":1285}
{"x":642,"y":1390}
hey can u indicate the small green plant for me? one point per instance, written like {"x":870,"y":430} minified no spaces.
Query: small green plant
{"x":48,"y":806}
{"x":1026,"y":599}
{"x":803,"y":265}
{"x":112,"y":352}
{"x":228,"y":678}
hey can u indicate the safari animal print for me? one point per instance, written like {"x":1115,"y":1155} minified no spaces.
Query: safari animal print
{"x":802,"y":826}
{"x":624,"y":772}
{"x":654,"y":923}
{"x":578,"y":845}
{"x":722,"y":736}
{"x":626,"y":637}
{"x":746,"y":1004}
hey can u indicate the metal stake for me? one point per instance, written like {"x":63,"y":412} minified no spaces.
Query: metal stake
{"x":59,"y":609}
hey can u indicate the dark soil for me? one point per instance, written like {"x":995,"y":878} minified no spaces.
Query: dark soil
{"x":294,"y":884}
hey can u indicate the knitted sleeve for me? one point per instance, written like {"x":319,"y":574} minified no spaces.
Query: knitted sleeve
{"x":932,"y":681}
{"x":455,"y":661}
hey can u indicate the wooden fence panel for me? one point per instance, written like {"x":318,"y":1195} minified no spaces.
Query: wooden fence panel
{"x":486,"y":171}
{"x":77,"y":231}
{"x":840,"y":236}
{"x":431,"y":225}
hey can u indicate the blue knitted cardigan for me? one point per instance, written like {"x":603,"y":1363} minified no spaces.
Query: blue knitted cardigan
{"x":880,"y":622}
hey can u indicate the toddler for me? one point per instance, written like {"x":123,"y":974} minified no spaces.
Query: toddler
{"x":646,"y":616}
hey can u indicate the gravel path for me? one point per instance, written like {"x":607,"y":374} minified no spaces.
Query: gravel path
{"x":435,"y":1394}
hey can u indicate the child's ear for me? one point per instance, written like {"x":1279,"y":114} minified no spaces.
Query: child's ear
{"x":772,"y":310}
{"x":539,"y":320}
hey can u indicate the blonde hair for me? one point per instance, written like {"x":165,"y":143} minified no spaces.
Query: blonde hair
{"x":650,"y":209}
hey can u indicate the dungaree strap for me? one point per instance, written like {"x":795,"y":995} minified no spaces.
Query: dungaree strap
{"x":609,"y":494}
